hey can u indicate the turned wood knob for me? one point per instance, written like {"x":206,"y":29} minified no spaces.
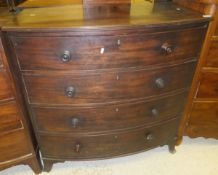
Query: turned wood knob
{"x":65,"y":57}
{"x":70,"y":91}
{"x":155,"y":112}
{"x":149,"y":136}
{"x":77,"y":147}
{"x":75,"y":122}
{"x":160,"y":83}
{"x":167,"y":48}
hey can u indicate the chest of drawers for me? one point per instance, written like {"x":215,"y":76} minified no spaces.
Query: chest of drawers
{"x":106,"y":87}
{"x":202,"y":111}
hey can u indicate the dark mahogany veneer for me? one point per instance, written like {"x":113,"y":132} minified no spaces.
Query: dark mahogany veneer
{"x":106,"y":80}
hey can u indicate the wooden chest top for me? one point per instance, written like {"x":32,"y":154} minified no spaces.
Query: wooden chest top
{"x":136,"y":14}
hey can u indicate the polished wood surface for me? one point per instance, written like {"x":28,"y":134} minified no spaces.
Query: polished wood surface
{"x":3,"y":3}
{"x":201,"y":114}
{"x":101,"y":146}
{"x":206,"y":7}
{"x":4,"y":15}
{"x":1,"y":63}
{"x":212,"y":60}
{"x":5,"y":88}
{"x":107,"y":118}
{"x":119,"y":51}
{"x":216,"y":31}
{"x":137,"y":14}
{"x":17,"y":144}
{"x":14,"y":145}
{"x":106,"y":88}
{"x":43,"y":3}
{"x":9,"y":117}
{"x":208,"y":87}
{"x":102,"y":81}
{"x":204,"y":120}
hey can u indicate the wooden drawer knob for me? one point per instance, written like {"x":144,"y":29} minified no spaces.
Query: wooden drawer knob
{"x":66,"y":56}
{"x":70,"y":91}
{"x":167,"y":48}
{"x":155,"y":112}
{"x":149,"y":136}
{"x":160,"y":83}
{"x":75,"y":122}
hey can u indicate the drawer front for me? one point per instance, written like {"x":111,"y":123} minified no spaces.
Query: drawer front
{"x":204,"y":120}
{"x":102,"y":52}
{"x":209,"y":86}
{"x":109,"y":117}
{"x":106,"y":87}
{"x":5,"y":88}
{"x":9,"y":117}
{"x":205,"y":113}
{"x":13,"y":145}
{"x":102,"y":146}
{"x":212,"y":58}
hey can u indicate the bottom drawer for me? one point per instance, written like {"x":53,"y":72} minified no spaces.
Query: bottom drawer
{"x":104,"y":146}
{"x":13,"y":145}
{"x":203,"y":120}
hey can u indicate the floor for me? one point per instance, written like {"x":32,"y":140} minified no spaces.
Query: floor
{"x":194,"y":157}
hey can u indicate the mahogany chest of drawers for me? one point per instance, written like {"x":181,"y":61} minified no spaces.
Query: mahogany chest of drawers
{"x":101,"y":85}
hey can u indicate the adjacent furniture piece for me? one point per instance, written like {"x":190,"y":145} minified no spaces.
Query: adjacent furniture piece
{"x":102,"y":81}
{"x":201,"y":117}
{"x":17,"y":144}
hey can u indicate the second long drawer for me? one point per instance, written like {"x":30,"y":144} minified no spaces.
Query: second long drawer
{"x":80,"y":89}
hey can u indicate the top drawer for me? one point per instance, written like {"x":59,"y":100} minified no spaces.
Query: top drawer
{"x":102,"y":52}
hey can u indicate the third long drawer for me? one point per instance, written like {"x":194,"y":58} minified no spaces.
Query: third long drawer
{"x":107,"y":118}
